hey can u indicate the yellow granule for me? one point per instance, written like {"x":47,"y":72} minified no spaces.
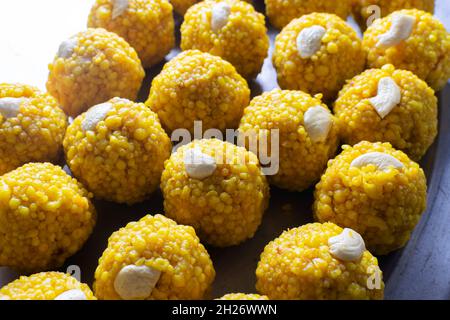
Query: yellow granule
{"x":43,"y":286}
{"x":147,"y":25}
{"x":45,"y":217}
{"x":181,"y":6}
{"x":225,"y":208}
{"x":102,"y":66}
{"x":383,"y":206}
{"x":242,"y":41}
{"x":281,"y":12}
{"x":157,"y":242}
{"x":299,"y":265}
{"x":122,"y":159}
{"x":301,"y":161}
{"x":198,"y":86}
{"x":36,"y":133}
{"x":340,"y":56}
{"x":411,"y":126}
{"x":362,"y":8}
{"x":426,"y":52}
{"x":243,"y":296}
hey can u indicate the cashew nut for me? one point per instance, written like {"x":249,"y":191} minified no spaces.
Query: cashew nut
{"x":94,"y":115}
{"x":309,"y":41}
{"x":347,"y":246}
{"x":401,"y":29}
{"x":382,"y":161}
{"x":318,"y":123}
{"x":136,"y":282}
{"x":67,"y":47}
{"x":199,"y":165}
{"x":388,"y":96}
{"x":219,"y":17}
{"x":9,"y":107}
{"x":119,"y":7}
{"x":74,"y":294}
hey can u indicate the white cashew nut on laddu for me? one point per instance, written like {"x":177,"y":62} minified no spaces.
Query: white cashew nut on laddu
{"x":74,"y":294}
{"x":382,"y":161}
{"x":388,"y":96}
{"x":9,"y":107}
{"x":347,"y":246}
{"x":67,"y":47}
{"x":309,"y":41}
{"x":136,"y":282}
{"x":119,"y":7}
{"x":318,"y":123}
{"x":220,"y":14}
{"x":400,"y":30}
{"x":199,"y":165}
{"x":94,"y":115}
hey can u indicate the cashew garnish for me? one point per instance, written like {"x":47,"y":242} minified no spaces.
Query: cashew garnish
{"x":9,"y":107}
{"x":94,"y":115}
{"x":67,"y":47}
{"x":309,"y":41}
{"x":74,"y":294}
{"x":401,"y":29}
{"x":136,"y":282}
{"x":219,"y":17}
{"x":199,"y":165}
{"x":318,"y":123}
{"x":119,"y":7}
{"x":347,"y":246}
{"x":382,"y":161}
{"x":388,"y":96}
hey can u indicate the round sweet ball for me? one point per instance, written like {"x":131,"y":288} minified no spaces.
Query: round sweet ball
{"x":117,"y":150}
{"x":91,"y":67}
{"x":365,"y":11}
{"x":181,"y":6}
{"x":317,"y":53}
{"x":216,"y":187}
{"x":388,"y":105}
{"x":319,"y":262}
{"x":411,"y":40}
{"x":281,"y":12}
{"x":32,"y":126}
{"x":374,"y":189}
{"x":46,"y":286}
{"x":197,"y":86}
{"x":45,"y":217}
{"x":147,"y":25}
{"x":243,"y":296}
{"x":231,"y":29}
{"x":307,"y":135}
{"x":154,"y":259}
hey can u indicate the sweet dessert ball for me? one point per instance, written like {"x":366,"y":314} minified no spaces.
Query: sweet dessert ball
{"x":45,"y":217}
{"x":46,"y":286}
{"x":91,"y":67}
{"x":181,"y":6}
{"x":364,"y":10}
{"x":147,"y":25}
{"x":308,"y":135}
{"x":281,"y":12}
{"x":153,"y":259}
{"x":117,"y":150}
{"x":388,"y":105}
{"x":32,"y":126}
{"x":231,"y":29}
{"x":198,"y":86}
{"x":216,"y":187}
{"x":243,"y":296}
{"x":411,"y":40}
{"x":319,"y":262}
{"x":317,"y":53}
{"x":375,"y":190}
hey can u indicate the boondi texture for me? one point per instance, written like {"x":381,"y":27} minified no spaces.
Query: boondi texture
{"x":411,"y":126}
{"x":35,"y":134}
{"x":43,"y":286}
{"x":383,"y":206}
{"x":157,"y":242}
{"x":181,"y":6}
{"x":243,"y":41}
{"x":340,"y":56}
{"x":198,"y":86}
{"x":122,"y":158}
{"x":298,"y":265}
{"x":225,"y":208}
{"x":147,"y":25}
{"x":45,"y":217}
{"x":426,"y":52}
{"x":281,"y":12}
{"x":93,"y":66}
{"x":301,"y":161}
{"x":243,"y":296}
